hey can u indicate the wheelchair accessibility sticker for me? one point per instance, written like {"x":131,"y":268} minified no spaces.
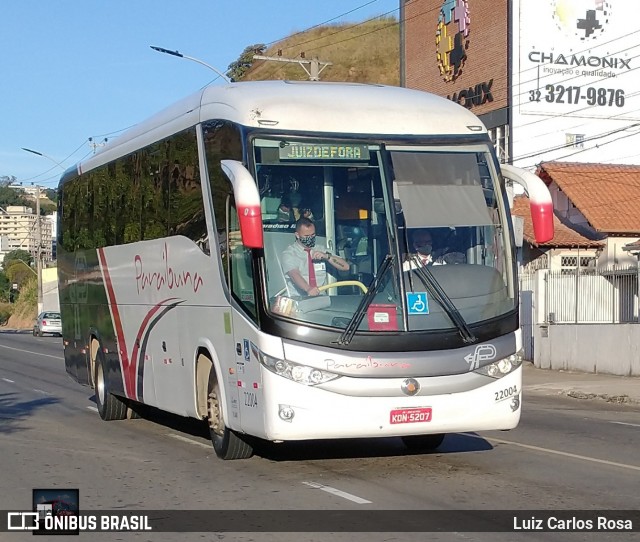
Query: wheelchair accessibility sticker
{"x":417,"y":303}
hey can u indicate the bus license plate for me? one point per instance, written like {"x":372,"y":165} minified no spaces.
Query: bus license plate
{"x":410,"y":415}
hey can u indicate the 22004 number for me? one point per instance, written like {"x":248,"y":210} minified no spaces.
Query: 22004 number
{"x":506,"y":393}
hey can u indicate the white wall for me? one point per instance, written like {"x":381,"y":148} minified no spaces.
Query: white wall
{"x":50,"y":300}
{"x":592,"y":348}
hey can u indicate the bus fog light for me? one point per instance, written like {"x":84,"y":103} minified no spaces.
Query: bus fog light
{"x":286,"y":413}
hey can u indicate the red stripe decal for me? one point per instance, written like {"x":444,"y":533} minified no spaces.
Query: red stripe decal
{"x":129,"y":365}
{"x":128,"y":370}
{"x":156,"y":308}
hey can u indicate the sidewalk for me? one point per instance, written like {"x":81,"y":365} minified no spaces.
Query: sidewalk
{"x":613,"y":389}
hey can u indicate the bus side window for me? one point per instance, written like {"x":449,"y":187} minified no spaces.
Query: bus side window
{"x":222,"y":141}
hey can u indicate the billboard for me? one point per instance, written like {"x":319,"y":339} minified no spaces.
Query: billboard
{"x":578,"y":58}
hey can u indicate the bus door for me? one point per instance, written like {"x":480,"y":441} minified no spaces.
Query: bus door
{"x":244,"y":399}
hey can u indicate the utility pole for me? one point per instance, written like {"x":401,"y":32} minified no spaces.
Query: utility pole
{"x":315,"y":65}
{"x":39,"y":249}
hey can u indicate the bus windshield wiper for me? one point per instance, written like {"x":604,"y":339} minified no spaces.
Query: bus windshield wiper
{"x":436,"y":291}
{"x":357,"y":317}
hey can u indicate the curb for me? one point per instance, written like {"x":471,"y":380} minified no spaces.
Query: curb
{"x":616,"y":399}
{"x":573,"y":393}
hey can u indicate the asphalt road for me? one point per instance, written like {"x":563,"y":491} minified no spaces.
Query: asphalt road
{"x":566,"y":454}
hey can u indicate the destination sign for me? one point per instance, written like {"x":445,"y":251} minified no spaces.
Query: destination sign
{"x":321,"y":151}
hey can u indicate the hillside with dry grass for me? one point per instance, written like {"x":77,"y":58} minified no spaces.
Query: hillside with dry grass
{"x":363,"y":53}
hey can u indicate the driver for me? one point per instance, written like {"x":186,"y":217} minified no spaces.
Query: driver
{"x":304,"y":263}
{"x":422,"y":245}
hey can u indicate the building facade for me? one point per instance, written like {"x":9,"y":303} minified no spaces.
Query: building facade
{"x":19,"y":227}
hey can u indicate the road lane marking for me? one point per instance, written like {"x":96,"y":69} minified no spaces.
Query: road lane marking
{"x":337,"y":492}
{"x":30,"y":352}
{"x":627,"y":423}
{"x":10,"y":381}
{"x":95,"y":409}
{"x":42,"y":391}
{"x":556,"y":452}
{"x":190,"y":441}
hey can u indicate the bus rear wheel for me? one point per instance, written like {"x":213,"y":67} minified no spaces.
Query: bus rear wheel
{"x":109,"y":406}
{"x":423,"y":442}
{"x":226,"y":443}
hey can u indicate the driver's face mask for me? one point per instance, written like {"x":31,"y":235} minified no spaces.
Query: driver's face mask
{"x":424,"y":248}
{"x":308,"y":241}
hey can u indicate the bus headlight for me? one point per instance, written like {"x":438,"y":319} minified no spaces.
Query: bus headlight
{"x":309,"y":376}
{"x":502,"y":367}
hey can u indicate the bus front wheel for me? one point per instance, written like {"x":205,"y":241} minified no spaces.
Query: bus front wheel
{"x":226,"y":443}
{"x":423,"y":442}
{"x":110,"y":407}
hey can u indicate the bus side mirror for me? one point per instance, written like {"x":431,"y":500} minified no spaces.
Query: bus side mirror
{"x":541,"y":204}
{"x":247,"y":198}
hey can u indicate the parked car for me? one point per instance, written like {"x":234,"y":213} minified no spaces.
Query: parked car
{"x":47,"y":322}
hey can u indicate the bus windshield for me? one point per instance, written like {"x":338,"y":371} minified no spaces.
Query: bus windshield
{"x":337,"y":213}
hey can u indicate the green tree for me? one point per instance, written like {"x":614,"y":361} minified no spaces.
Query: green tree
{"x":5,"y":286}
{"x":18,"y":273}
{"x":18,"y":254}
{"x":51,"y":194}
{"x":237,"y":69}
{"x":6,"y":180}
{"x":12,"y":196}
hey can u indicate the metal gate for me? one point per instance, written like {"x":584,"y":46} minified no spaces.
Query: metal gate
{"x":527,"y":307}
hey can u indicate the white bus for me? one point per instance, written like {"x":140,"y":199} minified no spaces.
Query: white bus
{"x":174,"y":291}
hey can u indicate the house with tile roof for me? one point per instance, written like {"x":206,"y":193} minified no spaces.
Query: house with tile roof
{"x":600,"y":202}
{"x":568,"y":248}
{"x":586,"y":274}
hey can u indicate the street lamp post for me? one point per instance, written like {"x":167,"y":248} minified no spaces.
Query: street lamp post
{"x":45,"y":156}
{"x":39,"y":230}
{"x":180,"y":55}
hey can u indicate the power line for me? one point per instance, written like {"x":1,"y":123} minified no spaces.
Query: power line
{"x":321,"y":24}
{"x":589,"y":149}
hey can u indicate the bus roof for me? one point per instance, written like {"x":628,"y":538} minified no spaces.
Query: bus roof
{"x":307,"y":106}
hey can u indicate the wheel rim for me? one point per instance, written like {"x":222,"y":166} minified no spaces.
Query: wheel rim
{"x":100,"y":384}
{"x":215,"y":414}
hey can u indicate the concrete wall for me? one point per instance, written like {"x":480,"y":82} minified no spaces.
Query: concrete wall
{"x":591,"y":348}
{"x":50,"y":300}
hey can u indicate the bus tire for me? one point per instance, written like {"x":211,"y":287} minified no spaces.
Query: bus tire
{"x":133,"y":410}
{"x":226,"y":443}
{"x":110,"y":407}
{"x":423,"y":442}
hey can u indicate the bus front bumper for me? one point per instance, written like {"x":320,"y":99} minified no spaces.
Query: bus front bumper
{"x":297,"y":412}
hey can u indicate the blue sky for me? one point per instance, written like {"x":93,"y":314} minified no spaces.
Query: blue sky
{"x":73,"y":70}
